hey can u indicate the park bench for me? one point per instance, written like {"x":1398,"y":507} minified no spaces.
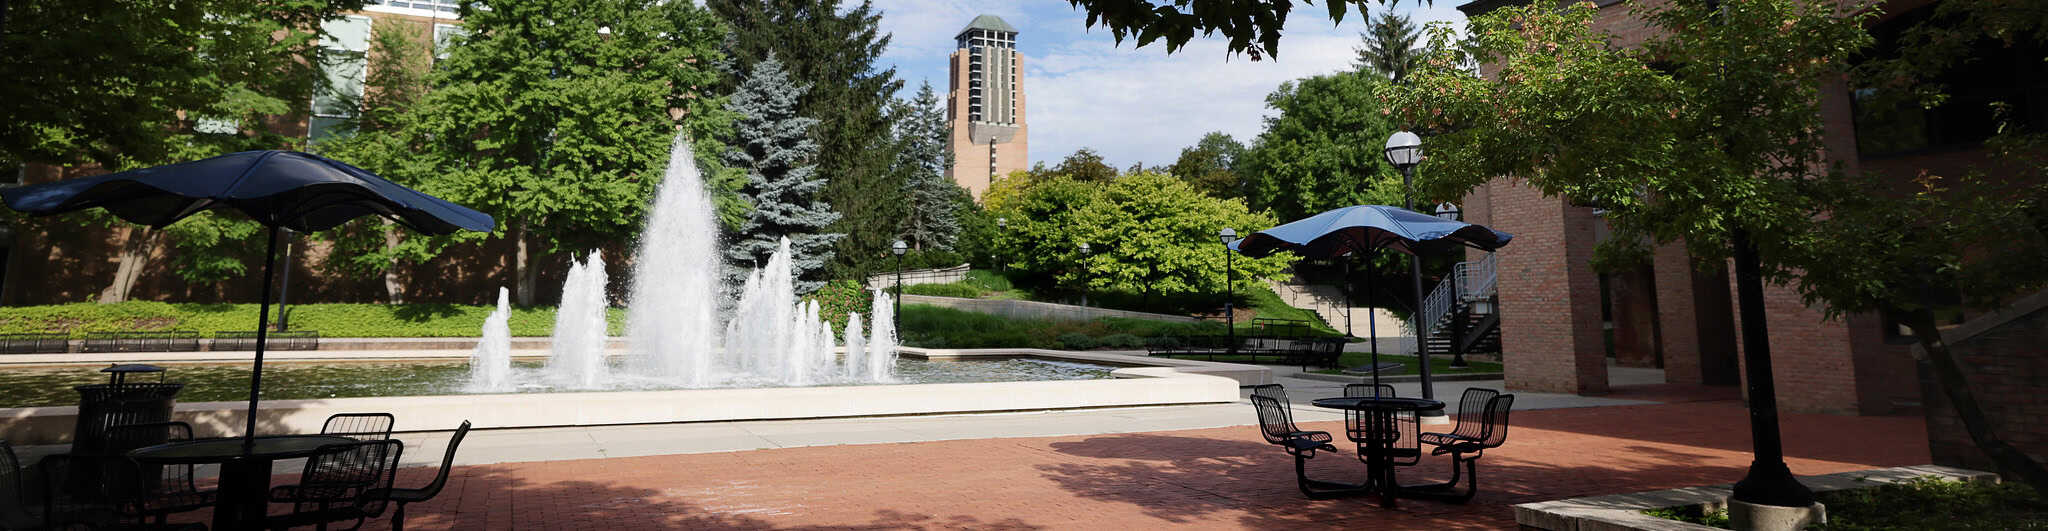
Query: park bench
{"x":35,"y":343}
{"x":240,"y":340}
{"x":153,"y":341}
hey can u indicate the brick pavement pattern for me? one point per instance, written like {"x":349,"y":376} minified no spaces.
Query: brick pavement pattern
{"x":1208,"y":478}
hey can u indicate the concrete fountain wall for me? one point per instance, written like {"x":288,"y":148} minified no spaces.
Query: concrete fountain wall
{"x":1142,"y":382}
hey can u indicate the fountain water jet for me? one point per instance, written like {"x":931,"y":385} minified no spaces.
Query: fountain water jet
{"x":577,"y":355}
{"x":671,"y":317}
{"x":881,"y":354}
{"x":490,"y":365}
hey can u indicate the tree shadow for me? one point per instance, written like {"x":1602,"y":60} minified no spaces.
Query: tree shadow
{"x":420,"y":312}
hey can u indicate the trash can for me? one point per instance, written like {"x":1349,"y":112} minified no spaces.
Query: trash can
{"x":118,"y":402}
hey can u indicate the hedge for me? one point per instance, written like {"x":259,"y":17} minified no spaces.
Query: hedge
{"x":331,"y":320}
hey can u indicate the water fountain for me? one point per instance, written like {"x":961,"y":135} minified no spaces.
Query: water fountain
{"x":577,"y":357}
{"x":490,"y":365}
{"x":770,"y":338}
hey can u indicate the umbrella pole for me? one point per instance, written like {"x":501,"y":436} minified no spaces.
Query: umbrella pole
{"x":262,"y":336}
{"x":1372,"y":321}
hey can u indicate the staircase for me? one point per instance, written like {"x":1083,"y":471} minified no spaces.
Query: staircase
{"x":1328,"y":302}
{"x":1462,"y":311}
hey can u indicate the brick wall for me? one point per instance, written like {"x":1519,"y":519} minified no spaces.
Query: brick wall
{"x":1811,"y":358}
{"x":1550,"y":307}
{"x":2007,"y":370}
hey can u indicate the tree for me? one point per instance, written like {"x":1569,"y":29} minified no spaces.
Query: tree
{"x":1389,"y":47}
{"x":555,"y":117}
{"x":1211,"y":166}
{"x":1711,"y":132}
{"x":1252,"y":26}
{"x":1322,"y":151}
{"x":1085,"y":165}
{"x":1154,"y":234}
{"x":933,"y":217}
{"x":835,"y":49}
{"x":773,"y":144}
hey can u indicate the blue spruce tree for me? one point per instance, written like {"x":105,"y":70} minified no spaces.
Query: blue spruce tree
{"x":774,"y":146}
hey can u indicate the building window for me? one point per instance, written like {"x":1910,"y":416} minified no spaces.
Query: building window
{"x":344,"y":58}
{"x":1996,"y":74}
{"x":445,"y":36}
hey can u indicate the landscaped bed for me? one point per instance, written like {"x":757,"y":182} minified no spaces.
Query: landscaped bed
{"x":1920,"y":503}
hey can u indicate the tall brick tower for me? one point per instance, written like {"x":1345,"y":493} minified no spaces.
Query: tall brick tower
{"x":985,"y":105}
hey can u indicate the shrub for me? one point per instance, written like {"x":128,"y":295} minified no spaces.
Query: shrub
{"x":1163,"y":342}
{"x":840,"y":297}
{"x":987,"y":280}
{"x":1076,"y":341}
{"x":1121,"y":341}
{"x":954,"y":289}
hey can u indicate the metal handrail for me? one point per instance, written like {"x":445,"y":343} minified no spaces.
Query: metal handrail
{"x":1467,"y":281}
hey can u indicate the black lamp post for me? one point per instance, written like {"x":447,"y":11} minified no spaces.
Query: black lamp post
{"x":1404,"y":151}
{"x":1228,"y":235}
{"x":1447,"y":211}
{"x":1085,"y":251}
{"x":1002,"y":225}
{"x":898,"y":248}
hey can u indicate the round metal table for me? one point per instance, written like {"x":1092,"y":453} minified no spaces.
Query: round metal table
{"x":245,"y":469}
{"x":1379,"y":412}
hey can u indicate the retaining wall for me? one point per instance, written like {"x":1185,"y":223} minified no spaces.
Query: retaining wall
{"x":1016,"y":309}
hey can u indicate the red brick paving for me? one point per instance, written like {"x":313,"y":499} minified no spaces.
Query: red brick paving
{"x":1210,"y":478}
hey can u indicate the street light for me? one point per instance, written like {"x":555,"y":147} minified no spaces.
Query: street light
{"x":1002,"y":224}
{"x":1085,"y":251}
{"x":1447,"y":211}
{"x":898,"y":248}
{"x":1404,"y":151}
{"x":1228,"y":235}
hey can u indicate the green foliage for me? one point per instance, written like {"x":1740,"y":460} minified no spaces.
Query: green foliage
{"x":987,"y":280}
{"x":1083,"y":165}
{"x":330,"y":320}
{"x":1121,"y":341}
{"x":1322,"y":151}
{"x":932,"y":217}
{"x":1389,"y":47}
{"x":834,"y":47}
{"x":772,"y":143}
{"x":951,"y":289}
{"x":122,"y":84}
{"x":1252,"y":26}
{"x":1935,"y":503}
{"x":1152,"y":233}
{"x":1076,"y":341}
{"x":1211,"y":166}
{"x":1692,"y":514}
{"x":840,"y":297}
{"x":936,"y":327}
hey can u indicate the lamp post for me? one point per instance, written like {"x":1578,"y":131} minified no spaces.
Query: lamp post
{"x":1404,"y":151}
{"x":1085,"y":251}
{"x":1228,"y":235}
{"x":1449,"y":212}
{"x":898,"y":248}
{"x":1002,"y":225}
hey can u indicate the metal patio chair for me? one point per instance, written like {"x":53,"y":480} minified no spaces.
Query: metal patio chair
{"x":1482,"y":424}
{"x":167,"y":489}
{"x":337,"y":485}
{"x":1404,"y":447}
{"x":359,"y":426}
{"x":433,"y":488}
{"x":1276,"y":423}
{"x":15,"y":509}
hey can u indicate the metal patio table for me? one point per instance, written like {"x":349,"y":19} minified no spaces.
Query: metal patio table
{"x":245,"y":469}
{"x":1379,"y":470}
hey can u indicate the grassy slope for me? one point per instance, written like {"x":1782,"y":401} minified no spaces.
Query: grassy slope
{"x":331,"y":320}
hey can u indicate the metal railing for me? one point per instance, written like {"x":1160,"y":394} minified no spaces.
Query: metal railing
{"x":1467,"y":281}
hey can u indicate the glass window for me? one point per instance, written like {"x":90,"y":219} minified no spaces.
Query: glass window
{"x":446,"y":35}
{"x":344,"y":59}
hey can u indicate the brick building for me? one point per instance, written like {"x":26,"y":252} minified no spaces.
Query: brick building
{"x":1556,"y":312}
{"x":985,"y":105}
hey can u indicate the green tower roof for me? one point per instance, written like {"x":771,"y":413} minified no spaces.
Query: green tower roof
{"x":989,"y":22}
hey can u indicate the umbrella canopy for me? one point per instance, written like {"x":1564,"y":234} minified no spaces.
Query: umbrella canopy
{"x":1363,"y":228}
{"x":280,"y":189}
{"x":299,"y":191}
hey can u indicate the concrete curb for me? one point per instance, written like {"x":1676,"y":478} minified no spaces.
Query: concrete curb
{"x":1465,"y":377}
{"x":1625,"y":511}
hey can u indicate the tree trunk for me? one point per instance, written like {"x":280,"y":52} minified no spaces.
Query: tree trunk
{"x":134,"y":256}
{"x":524,"y":266}
{"x":1948,"y":373}
{"x":394,"y":287}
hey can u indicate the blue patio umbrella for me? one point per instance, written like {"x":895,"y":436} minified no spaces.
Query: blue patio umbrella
{"x":288,"y":189}
{"x":1365,"y":229}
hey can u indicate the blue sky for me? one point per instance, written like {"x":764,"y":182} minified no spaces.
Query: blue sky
{"x":1130,"y":104}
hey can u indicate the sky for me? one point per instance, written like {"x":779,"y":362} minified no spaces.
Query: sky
{"x":1130,"y":104}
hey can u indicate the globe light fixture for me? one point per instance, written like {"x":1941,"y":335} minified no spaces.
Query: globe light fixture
{"x":1404,"y":150}
{"x":1447,"y":211}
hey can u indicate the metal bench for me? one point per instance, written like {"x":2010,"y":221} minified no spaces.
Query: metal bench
{"x":155,"y":341}
{"x":34,"y":343}
{"x":238,"y":340}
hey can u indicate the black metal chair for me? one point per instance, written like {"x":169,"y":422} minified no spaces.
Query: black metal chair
{"x":1276,"y":423}
{"x":360,"y":426}
{"x":337,"y":485}
{"x":1402,"y":440}
{"x":433,"y":488}
{"x":169,"y":489}
{"x":1482,"y":424}
{"x":15,"y":510}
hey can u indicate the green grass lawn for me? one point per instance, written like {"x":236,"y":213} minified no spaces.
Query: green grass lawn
{"x":330,"y":320}
{"x":1437,"y":364}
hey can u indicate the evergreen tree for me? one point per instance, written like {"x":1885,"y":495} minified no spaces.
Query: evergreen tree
{"x":933,"y":220}
{"x":1389,"y":48}
{"x":774,"y":146}
{"x":835,"y":49}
